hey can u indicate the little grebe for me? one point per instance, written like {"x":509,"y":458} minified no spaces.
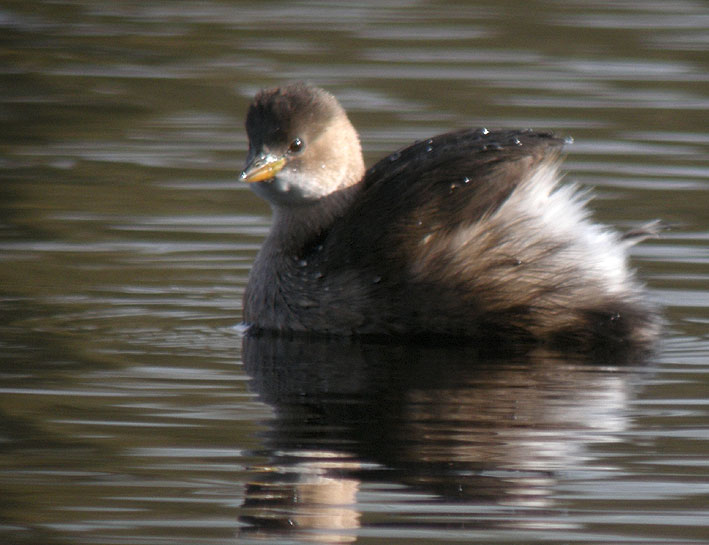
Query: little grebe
{"x":465,"y":235}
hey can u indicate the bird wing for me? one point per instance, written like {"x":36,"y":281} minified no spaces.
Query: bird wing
{"x":434,"y":186}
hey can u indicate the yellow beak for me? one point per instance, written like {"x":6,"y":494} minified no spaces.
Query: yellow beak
{"x":263,"y":167}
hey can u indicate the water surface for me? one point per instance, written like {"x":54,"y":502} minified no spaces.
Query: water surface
{"x":131,"y":412}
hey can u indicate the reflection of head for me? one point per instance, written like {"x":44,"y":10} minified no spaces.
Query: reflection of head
{"x":304,"y":500}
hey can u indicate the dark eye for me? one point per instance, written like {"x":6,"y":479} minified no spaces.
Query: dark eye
{"x":296,"y":146}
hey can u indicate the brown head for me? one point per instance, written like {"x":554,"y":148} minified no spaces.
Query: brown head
{"x":302,"y":146}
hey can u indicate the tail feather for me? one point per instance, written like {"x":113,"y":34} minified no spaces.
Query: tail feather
{"x":653,"y":229}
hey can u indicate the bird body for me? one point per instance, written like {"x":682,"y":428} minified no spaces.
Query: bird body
{"x":468,"y":235}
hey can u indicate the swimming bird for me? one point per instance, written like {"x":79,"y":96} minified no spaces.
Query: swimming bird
{"x":468,"y":235}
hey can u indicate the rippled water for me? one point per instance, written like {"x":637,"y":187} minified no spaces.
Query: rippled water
{"x":131,"y":412}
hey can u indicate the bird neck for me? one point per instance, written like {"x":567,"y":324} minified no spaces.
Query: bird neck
{"x":296,"y":227}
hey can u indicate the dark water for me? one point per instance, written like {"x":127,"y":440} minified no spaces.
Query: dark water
{"x":131,"y":413}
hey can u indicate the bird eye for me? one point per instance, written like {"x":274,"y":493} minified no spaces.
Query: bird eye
{"x":296,"y":146}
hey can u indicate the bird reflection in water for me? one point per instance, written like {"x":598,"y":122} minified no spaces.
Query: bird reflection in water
{"x":361,"y":424}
